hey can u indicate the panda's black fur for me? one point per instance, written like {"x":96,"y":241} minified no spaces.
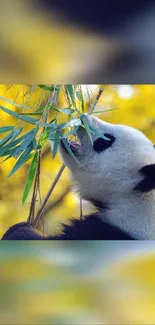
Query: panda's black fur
{"x":91,"y":228}
{"x":117,"y":175}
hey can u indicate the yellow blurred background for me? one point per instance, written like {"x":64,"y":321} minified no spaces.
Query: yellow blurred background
{"x":41,"y":42}
{"x":87,"y":282}
{"x":39,"y":47}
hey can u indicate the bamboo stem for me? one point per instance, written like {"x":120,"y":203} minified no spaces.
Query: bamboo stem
{"x":39,"y":214}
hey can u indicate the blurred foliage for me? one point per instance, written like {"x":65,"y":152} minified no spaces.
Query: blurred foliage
{"x":134,"y":106}
{"x":77,"y":283}
{"x":38,"y":46}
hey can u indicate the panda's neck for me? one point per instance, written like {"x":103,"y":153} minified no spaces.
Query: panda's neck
{"x":135,"y":215}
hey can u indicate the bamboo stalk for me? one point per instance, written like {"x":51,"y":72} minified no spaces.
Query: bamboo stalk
{"x":39,"y":214}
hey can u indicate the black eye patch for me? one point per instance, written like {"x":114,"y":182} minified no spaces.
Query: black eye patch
{"x":101,"y":144}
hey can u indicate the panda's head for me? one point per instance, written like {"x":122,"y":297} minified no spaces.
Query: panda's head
{"x":121,"y":164}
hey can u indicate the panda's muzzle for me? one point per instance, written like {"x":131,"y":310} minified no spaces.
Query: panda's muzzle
{"x":75,"y":146}
{"x":79,"y":144}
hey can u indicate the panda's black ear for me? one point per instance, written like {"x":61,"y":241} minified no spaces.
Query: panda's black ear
{"x":147,"y":184}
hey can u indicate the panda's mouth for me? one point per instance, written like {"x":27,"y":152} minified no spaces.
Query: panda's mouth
{"x":74,"y":145}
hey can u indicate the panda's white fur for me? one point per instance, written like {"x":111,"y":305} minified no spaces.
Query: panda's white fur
{"x":111,"y":175}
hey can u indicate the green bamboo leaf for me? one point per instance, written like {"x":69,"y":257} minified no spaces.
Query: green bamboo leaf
{"x":4,"y":129}
{"x":53,"y":137}
{"x":98,"y":133}
{"x":41,"y":109}
{"x":70,"y":90}
{"x":8,"y":152}
{"x":17,"y":132}
{"x":30,"y":177}
{"x":23,"y":118}
{"x":101,"y":112}
{"x":35,"y":113}
{"x":31,"y":155}
{"x":57,"y":88}
{"x":48,"y":125}
{"x":7,"y":138}
{"x":23,"y":158}
{"x":44,"y":138}
{"x":72,"y":123}
{"x":71,"y":93}
{"x":56,"y":144}
{"x":46,"y":134}
{"x":55,"y":147}
{"x":10,"y":156}
{"x":28,"y":119}
{"x":53,"y":121}
{"x":79,"y":95}
{"x":45,"y":87}
{"x":12,"y":144}
{"x":13,"y":103}
{"x":56,"y":127}
{"x":25,"y":143}
{"x":8,"y":148}
{"x":86,"y":124}
{"x":82,"y":101}
{"x":69,"y":149}
{"x":34,"y":142}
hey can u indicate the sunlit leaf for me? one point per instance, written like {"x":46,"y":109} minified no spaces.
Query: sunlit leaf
{"x":71,"y":93}
{"x":33,"y":114}
{"x":98,"y":133}
{"x":13,"y":103}
{"x":4,"y":129}
{"x":56,"y":127}
{"x":18,"y":116}
{"x":12,"y":144}
{"x":45,"y":87}
{"x":23,"y":158}
{"x":8,"y":152}
{"x":30,"y":177}
{"x":16,"y":133}
{"x":25,"y":143}
{"x":56,"y":144}
{"x":79,"y":95}
{"x":86,"y":124}
{"x":6,"y":139}
{"x":34,"y":142}
{"x":46,"y":134}
{"x":101,"y":112}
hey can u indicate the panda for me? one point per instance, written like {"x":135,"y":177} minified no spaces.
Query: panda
{"x":116,"y":173}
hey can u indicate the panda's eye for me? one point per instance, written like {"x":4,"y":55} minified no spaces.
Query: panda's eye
{"x":101,"y":144}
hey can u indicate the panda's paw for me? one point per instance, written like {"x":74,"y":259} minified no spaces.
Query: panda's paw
{"x":21,"y":231}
